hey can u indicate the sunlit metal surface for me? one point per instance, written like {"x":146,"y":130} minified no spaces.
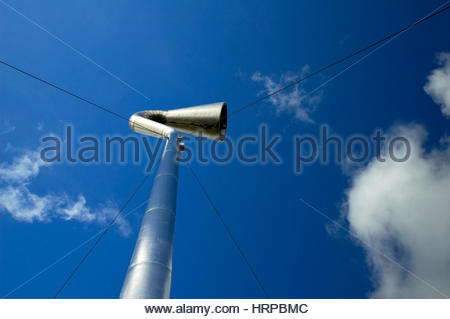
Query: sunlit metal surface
{"x":209,"y":121}
{"x":150,"y":270}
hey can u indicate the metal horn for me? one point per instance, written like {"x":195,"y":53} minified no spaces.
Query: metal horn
{"x":209,"y":120}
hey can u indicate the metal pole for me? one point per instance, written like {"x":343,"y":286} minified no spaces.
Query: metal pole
{"x":150,"y":271}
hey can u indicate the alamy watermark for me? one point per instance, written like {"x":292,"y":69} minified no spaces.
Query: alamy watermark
{"x":262,"y":148}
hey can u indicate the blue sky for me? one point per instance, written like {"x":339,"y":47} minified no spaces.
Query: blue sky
{"x":189,"y":53}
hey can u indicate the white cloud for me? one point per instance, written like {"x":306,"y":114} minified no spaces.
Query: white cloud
{"x":438,"y":85}
{"x":76,"y":210}
{"x":24,"y":205}
{"x":22,"y":169}
{"x":402,"y":211}
{"x":7,"y":128}
{"x":294,"y":101}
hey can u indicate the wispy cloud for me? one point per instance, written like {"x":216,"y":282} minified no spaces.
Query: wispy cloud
{"x":294,"y":101}
{"x":22,"y":168}
{"x":22,"y":204}
{"x":7,"y":128}
{"x":438,"y":84}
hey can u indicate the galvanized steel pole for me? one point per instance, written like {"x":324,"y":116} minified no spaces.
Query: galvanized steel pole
{"x":150,"y":271}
